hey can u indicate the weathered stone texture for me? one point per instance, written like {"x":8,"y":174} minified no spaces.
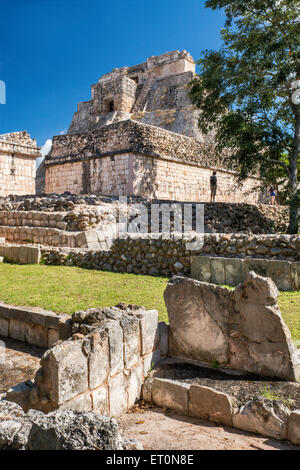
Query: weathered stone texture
{"x":240,"y":329}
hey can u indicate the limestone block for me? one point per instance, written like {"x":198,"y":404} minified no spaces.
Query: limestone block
{"x":259,"y":266}
{"x":242,"y":329}
{"x":280,"y":272}
{"x":99,"y":398}
{"x":117,"y":395}
{"x":80,"y":403}
{"x":53,"y":337}
{"x":262,"y":416}
{"x":17,"y":330}
{"x":131,"y":332}
{"x":200,"y":268}
{"x":209,"y":404}
{"x":4,"y":324}
{"x":295,"y":276}
{"x":171,"y":394}
{"x":65,"y":371}
{"x":234,"y":273}
{"x":198,"y":316}
{"x":218,"y":270}
{"x":134,"y":384}
{"x":98,"y":358}
{"x":115,"y":333}
{"x":293,"y":433}
{"x":36,"y":334}
{"x":149,"y":330}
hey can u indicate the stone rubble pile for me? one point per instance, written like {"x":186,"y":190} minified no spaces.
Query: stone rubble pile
{"x":59,"y":430}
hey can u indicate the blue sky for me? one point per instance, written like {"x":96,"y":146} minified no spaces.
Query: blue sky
{"x":51,"y":51}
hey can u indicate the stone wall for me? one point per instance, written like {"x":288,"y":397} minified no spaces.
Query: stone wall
{"x":33,"y":325}
{"x":102,"y":366}
{"x":18,"y":153}
{"x":233,"y":271}
{"x":158,"y":255}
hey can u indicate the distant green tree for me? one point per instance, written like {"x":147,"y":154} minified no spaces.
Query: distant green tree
{"x":245,"y":92}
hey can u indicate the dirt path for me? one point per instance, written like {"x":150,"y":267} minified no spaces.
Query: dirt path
{"x":21,"y":362}
{"x":157,"y":429}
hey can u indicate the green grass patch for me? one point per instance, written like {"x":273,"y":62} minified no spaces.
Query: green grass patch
{"x":66,"y":289}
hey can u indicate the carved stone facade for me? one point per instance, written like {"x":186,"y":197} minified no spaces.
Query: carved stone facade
{"x":18,"y":154}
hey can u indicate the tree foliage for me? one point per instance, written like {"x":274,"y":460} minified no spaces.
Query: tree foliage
{"x":244,"y":91}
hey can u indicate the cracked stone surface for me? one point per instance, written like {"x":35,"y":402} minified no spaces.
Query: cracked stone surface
{"x":240,"y":329}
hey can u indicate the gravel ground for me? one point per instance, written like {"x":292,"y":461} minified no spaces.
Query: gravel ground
{"x":158,"y":429}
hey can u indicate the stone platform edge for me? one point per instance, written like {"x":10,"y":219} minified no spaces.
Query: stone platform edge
{"x":33,"y":325}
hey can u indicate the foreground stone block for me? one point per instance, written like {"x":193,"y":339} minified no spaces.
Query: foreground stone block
{"x":171,"y":394}
{"x":131,"y":331}
{"x":98,"y":357}
{"x":65,"y":371}
{"x":265,"y":417}
{"x":209,"y":404}
{"x":117,"y":395}
{"x":293,"y":433}
{"x":198,"y":316}
{"x":116,"y":352}
{"x":134,"y":384}
{"x":242,"y":329}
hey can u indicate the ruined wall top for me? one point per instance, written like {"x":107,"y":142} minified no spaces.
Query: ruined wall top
{"x":19,"y":143}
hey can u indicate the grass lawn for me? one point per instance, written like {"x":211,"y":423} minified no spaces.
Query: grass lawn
{"x":67,"y":289}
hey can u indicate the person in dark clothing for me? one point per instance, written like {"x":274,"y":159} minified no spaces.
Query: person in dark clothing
{"x":213,"y":187}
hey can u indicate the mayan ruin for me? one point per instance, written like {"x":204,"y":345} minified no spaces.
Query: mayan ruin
{"x":138,"y":135}
{"x":149,"y":237}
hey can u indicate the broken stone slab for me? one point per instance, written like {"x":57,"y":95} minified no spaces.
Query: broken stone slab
{"x":198,"y":319}
{"x":293,"y":433}
{"x":209,"y":404}
{"x":131,"y":332}
{"x":241,"y":329}
{"x":149,"y":330}
{"x":171,"y":394}
{"x":65,"y":371}
{"x":262,"y":416}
